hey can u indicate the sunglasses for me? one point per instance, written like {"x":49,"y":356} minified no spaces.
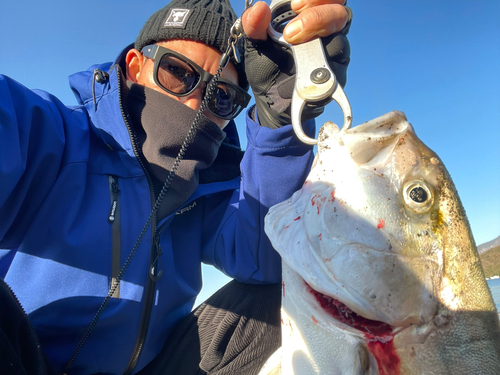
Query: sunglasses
{"x":179,"y":76}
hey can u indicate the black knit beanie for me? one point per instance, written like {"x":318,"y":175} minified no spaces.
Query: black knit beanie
{"x":206,"y":21}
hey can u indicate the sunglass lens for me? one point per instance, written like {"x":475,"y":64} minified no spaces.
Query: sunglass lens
{"x":225,"y":102}
{"x":176,"y":75}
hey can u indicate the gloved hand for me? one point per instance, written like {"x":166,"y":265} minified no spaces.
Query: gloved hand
{"x":271,"y":72}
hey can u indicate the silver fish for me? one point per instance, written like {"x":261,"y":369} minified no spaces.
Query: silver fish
{"x":381,"y":273}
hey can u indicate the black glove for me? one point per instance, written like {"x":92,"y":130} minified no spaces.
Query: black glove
{"x":270,"y":70}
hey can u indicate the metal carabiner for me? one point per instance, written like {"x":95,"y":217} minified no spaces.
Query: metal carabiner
{"x":314,"y":80}
{"x":235,"y":33}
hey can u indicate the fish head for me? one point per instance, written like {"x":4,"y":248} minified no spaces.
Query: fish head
{"x":362,"y":230}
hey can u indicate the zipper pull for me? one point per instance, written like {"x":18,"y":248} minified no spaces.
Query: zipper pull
{"x":114,"y":194}
{"x":111,"y":216}
{"x":155,"y":273}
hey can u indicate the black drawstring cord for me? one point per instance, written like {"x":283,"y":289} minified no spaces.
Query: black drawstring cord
{"x":100,"y":77}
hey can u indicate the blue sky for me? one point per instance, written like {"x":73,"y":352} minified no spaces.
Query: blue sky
{"x":437,"y":61}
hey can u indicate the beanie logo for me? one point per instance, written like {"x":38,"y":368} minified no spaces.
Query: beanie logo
{"x":177,"y":18}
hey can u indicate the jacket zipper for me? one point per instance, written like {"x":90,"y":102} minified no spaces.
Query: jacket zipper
{"x":151,"y":283}
{"x":154,"y":275}
{"x":114,"y":219}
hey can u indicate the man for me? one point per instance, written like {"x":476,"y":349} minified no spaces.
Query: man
{"x":111,"y":206}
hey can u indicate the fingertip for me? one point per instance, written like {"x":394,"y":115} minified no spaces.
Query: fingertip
{"x":256,"y":20}
{"x":293,"y":29}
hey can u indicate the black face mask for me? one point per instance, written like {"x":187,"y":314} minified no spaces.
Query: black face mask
{"x":161,"y":124}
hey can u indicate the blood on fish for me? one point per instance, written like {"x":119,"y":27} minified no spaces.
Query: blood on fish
{"x":316,"y":200}
{"x":385,"y":355}
{"x":381,"y":224}
{"x":297,"y":218}
{"x":313,"y":200}
{"x":378,"y":335}
{"x":332,"y":196}
{"x":287,"y":226}
{"x":283,"y":287}
{"x":314,"y":319}
{"x":320,"y":236}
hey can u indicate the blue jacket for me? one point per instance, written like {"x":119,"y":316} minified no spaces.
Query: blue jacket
{"x":65,"y":170}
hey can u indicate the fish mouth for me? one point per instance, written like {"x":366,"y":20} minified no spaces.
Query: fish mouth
{"x":378,"y":336}
{"x":344,"y":316}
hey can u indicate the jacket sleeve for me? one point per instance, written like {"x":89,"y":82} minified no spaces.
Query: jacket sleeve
{"x":275,"y":165}
{"x":31,"y":149}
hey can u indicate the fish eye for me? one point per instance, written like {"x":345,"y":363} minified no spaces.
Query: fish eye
{"x":418,"y":196}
